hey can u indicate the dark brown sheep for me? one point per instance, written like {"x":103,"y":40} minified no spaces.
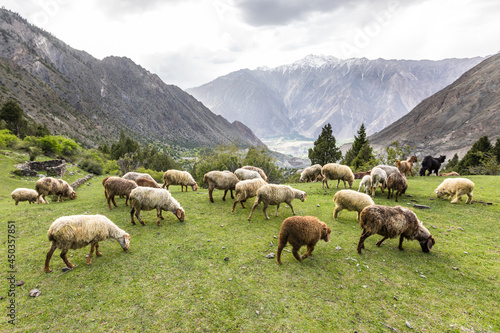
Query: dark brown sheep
{"x":118,"y":186}
{"x":397,"y":183}
{"x":360,"y":175}
{"x":299,"y":231}
{"x":144,"y":182}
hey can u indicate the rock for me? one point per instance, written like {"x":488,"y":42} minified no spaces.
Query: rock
{"x":409,"y":325}
{"x":65,"y":269}
{"x":270,"y":255}
{"x":35,"y":293}
{"x":19,"y":283}
{"x":421,"y":206}
{"x":338,"y":248}
{"x":226,"y":258}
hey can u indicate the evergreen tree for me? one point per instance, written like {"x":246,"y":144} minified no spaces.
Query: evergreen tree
{"x":479,"y":152}
{"x":452,"y":163}
{"x":359,"y":141}
{"x":496,"y":150}
{"x":325,"y":149}
{"x":12,"y":113}
{"x":365,"y":158}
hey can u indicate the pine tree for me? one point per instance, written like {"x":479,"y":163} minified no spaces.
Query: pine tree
{"x":479,"y":151}
{"x":496,"y":150}
{"x":359,"y":141}
{"x":325,"y":149}
{"x":12,"y":113}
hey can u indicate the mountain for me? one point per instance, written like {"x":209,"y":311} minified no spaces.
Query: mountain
{"x":92,"y":100}
{"x":302,"y":97}
{"x":451,"y":120}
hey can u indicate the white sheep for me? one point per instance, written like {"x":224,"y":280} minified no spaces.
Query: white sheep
{"x":392,"y":222}
{"x":220,"y":180}
{"x":259,"y":170}
{"x":148,"y":198}
{"x":26,"y":194}
{"x":389,"y":169}
{"x":367,"y":183}
{"x":271,"y":194}
{"x":455,"y":187}
{"x":77,"y":231}
{"x":337,"y":171}
{"x":177,"y":177}
{"x":350,"y":200}
{"x":246,"y":189}
{"x":379,"y":177}
{"x":311,"y":174}
{"x":244,"y":174}
{"x":136,"y":175}
{"x":54,"y":186}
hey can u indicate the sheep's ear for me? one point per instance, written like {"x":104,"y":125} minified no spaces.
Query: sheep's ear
{"x":430,"y":242}
{"x":180,"y":214}
{"x":436,"y":191}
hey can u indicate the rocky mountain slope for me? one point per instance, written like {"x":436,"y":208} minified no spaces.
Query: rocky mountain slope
{"x":451,"y":120}
{"x":91,"y":100}
{"x":302,"y":97}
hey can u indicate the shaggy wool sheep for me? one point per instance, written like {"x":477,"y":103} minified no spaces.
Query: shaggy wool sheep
{"x":389,"y":169}
{"x":299,"y":231}
{"x":136,"y":175}
{"x":391,"y":222}
{"x":367,"y":183}
{"x":361,"y":175}
{"x":144,"y":182}
{"x":350,"y":200}
{"x":271,"y":194}
{"x":77,"y":231}
{"x":54,"y":186}
{"x":259,"y":170}
{"x":432,"y":164}
{"x":311,"y":174}
{"x":337,"y":171}
{"x":220,"y":180}
{"x":406,"y":166}
{"x":26,"y":194}
{"x":397,"y":183}
{"x":118,"y":186}
{"x":177,"y":177}
{"x":244,"y":174}
{"x":246,"y":189}
{"x":449,"y":174}
{"x":378,"y":177}
{"x":148,"y":198}
{"x":455,"y":187}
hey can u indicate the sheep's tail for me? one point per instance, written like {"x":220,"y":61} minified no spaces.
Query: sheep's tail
{"x":204,"y":179}
{"x":283,"y":238}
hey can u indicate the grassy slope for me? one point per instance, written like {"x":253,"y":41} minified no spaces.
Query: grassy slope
{"x":175,"y":278}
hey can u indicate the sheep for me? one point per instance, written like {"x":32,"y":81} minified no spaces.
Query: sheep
{"x":299,"y":231}
{"x":148,"y":198}
{"x":378,"y":176}
{"x":350,"y":200}
{"x":389,"y":169}
{"x":177,"y":177}
{"x":455,"y":187}
{"x":54,"y":186}
{"x":259,"y":170}
{"x":244,"y":174}
{"x":221,"y":180}
{"x":406,"y":166}
{"x":271,"y":194}
{"x":144,"y":182}
{"x":118,"y":186}
{"x":397,"y":183}
{"x":26,"y":194}
{"x":449,"y":174}
{"x":391,"y":222}
{"x":337,"y":171}
{"x":432,"y":164}
{"x":361,"y":175}
{"x":246,"y":189}
{"x":367,"y":183}
{"x":77,"y":231}
{"x":136,"y":175}
{"x":311,"y":174}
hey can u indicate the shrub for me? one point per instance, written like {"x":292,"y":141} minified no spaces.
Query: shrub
{"x":91,"y":166}
{"x":7,"y":138}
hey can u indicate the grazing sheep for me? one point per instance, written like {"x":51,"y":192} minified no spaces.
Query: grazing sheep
{"x":118,"y":186}
{"x":311,"y":174}
{"x":259,"y":170}
{"x":26,"y":194}
{"x":367,"y":183}
{"x":220,"y":180}
{"x":337,"y":171}
{"x":54,"y":186}
{"x":378,"y":177}
{"x":406,"y":166}
{"x":177,"y":177}
{"x":350,"y":200}
{"x":271,"y":194}
{"x":144,"y":182}
{"x":389,"y":169}
{"x":148,"y":198}
{"x":244,"y":174}
{"x":449,"y":174}
{"x":391,"y":222}
{"x":455,"y":187}
{"x":246,"y":189}
{"x":432,"y":164}
{"x":299,"y":231}
{"x":77,"y":231}
{"x":397,"y":183}
{"x":136,"y":175}
{"x":361,"y":175}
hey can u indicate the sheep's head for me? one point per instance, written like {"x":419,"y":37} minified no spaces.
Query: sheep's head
{"x":439,"y":191}
{"x":413,"y":159}
{"x":425,"y":238}
{"x":180,"y":214}
{"x":301,"y":195}
{"x":72,"y":195}
{"x":194,"y":187}
{"x":427,"y":244}
{"x":325,"y":233}
{"x":124,"y":241}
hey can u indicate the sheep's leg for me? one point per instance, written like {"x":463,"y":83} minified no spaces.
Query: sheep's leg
{"x":397,"y":192}
{"x":224,"y":196}
{"x":265,"y":210}
{"x":296,"y":254}
{"x":276,"y":213}
{"x":290,"y":204}
{"x":361,"y":244}
{"x":469,"y":198}
{"x":234,"y":205}
{"x":138,"y":215}
{"x":114,"y":202}
{"x":132,"y":216}
{"x":389,"y":193}
{"x":310,"y":248}
{"x":97,"y":253}
{"x":49,"y":255}
{"x":336,"y":212}
{"x":158,"y":216}
{"x":278,"y":254}
{"x":65,"y":258}
{"x":58,"y":198}
{"x":338,"y":182}
{"x":381,"y":241}
{"x":457,"y":198}
{"x":232,"y":195}
{"x":126,"y":200}
{"x":401,"y":242}
{"x":210,"y":190}
{"x":89,"y":256}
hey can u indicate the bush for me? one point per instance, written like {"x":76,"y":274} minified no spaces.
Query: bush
{"x":91,"y":166}
{"x":157,"y":175}
{"x":7,"y":138}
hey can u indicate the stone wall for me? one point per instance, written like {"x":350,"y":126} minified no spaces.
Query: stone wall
{"x":54,"y":168}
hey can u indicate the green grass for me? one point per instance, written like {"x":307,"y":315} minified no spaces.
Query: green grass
{"x":175,"y":278}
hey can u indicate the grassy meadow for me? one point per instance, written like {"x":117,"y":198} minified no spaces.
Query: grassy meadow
{"x":210,"y":273}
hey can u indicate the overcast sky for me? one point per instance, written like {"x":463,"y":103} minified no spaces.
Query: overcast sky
{"x":191,"y":42}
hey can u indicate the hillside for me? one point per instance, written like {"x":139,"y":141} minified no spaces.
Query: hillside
{"x":91,"y":100}
{"x":302,"y":97}
{"x":451,"y":120}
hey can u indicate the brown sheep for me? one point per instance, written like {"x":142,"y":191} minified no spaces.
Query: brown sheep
{"x":118,"y":186}
{"x":299,"y":231}
{"x":221,"y":180}
{"x":449,"y":174}
{"x":397,"y":183}
{"x":144,"y":182}
{"x":406,"y":166}
{"x":360,"y":175}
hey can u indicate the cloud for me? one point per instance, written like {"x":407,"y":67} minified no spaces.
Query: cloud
{"x":117,"y":8}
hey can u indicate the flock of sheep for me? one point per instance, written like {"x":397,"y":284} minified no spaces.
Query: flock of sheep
{"x":143,"y":193}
